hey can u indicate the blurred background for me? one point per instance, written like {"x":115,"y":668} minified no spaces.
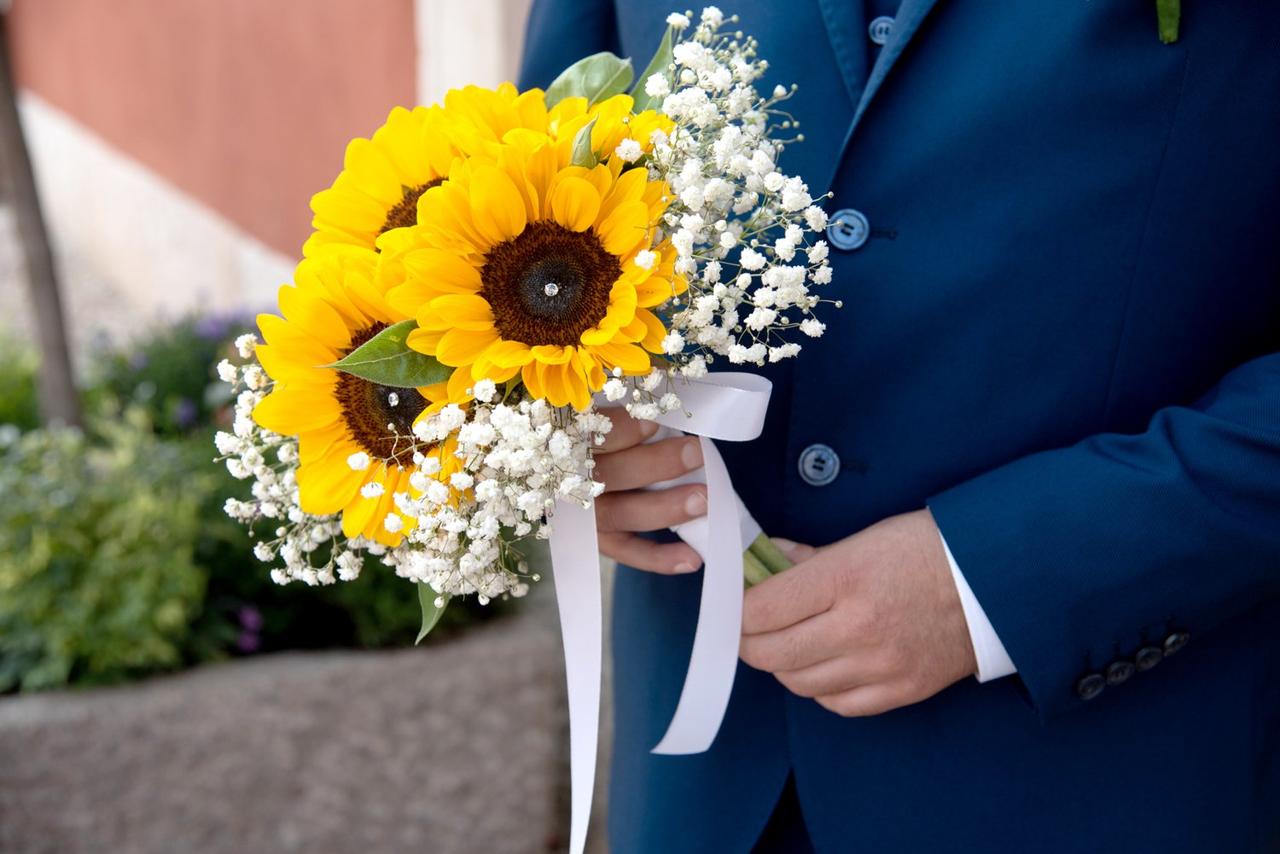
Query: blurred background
{"x":157,"y":692}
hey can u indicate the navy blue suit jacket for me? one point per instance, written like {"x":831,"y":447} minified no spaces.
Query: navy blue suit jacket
{"x":1062,"y":336}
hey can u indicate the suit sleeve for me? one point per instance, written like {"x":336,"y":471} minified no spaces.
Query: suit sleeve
{"x":1087,"y":554}
{"x":560,"y":32}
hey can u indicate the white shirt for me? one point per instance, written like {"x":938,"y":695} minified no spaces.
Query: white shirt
{"x":993,"y":660}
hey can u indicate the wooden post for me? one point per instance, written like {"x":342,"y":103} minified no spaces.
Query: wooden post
{"x":59,"y":402}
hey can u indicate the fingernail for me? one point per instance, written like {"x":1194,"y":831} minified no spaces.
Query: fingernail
{"x":683,"y":568}
{"x":696,"y":504}
{"x":787,"y":546}
{"x":648,"y":428}
{"x":691,"y":454}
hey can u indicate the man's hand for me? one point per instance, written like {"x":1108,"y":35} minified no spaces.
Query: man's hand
{"x":865,"y":625}
{"x":626,"y":465}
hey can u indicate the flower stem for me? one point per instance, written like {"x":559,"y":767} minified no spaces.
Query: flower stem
{"x":769,"y":554}
{"x":762,"y":560}
{"x":753,"y":570}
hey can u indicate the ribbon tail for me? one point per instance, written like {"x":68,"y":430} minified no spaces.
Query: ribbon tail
{"x":576,"y":568}
{"x":714,"y":660}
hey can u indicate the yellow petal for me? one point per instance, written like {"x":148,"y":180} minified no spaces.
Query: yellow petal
{"x":552,"y":354}
{"x":654,"y":331}
{"x":629,"y":187}
{"x":442,"y":271}
{"x":424,"y":340}
{"x":577,"y":393}
{"x":316,"y":444}
{"x":312,"y":314}
{"x":359,"y":510}
{"x":462,"y":346}
{"x":509,"y":354}
{"x":497,"y":210}
{"x":654,"y":291}
{"x":292,"y":411}
{"x":457,"y":311}
{"x":625,"y":228}
{"x":575,"y":203}
{"x":327,"y":484}
{"x":532,"y":382}
{"x":629,"y":357}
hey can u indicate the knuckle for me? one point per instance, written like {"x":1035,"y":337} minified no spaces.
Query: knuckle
{"x":606,"y":517}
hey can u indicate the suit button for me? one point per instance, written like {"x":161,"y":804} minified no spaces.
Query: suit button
{"x":1091,"y":686}
{"x":1175,"y":642}
{"x":819,"y":465}
{"x":848,"y":229}
{"x":879,"y":29}
{"x":1148,"y":657}
{"x":1119,"y":671}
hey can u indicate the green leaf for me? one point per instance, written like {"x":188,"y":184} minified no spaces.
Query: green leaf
{"x":430,"y":613}
{"x":387,"y":360}
{"x":583,"y":155}
{"x":1168,"y":13}
{"x":599,"y":76}
{"x":660,"y":64}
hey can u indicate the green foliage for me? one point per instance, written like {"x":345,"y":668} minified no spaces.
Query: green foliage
{"x":116,"y":558}
{"x":169,"y":373}
{"x":97,"y":576}
{"x":431,"y":612}
{"x":596,"y":78}
{"x":583,"y":155}
{"x":661,"y":62}
{"x":387,"y":360}
{"x":18,"y":404}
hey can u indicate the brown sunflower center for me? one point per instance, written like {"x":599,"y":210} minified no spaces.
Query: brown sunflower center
{"x":405,"y":211}
{"x":548,"y":284}
{"x":379,"y":417}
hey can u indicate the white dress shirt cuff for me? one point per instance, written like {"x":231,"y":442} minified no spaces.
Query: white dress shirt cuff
{"x":993,"y":660}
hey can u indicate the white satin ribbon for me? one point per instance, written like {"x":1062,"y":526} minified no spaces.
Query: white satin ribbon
{"x":726,"y":406}
{"x":575,"y":563}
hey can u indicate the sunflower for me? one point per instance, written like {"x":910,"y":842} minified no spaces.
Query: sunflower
{"x":383,"y":177}
{"x":333,"y":307}
{"x":526,"y":264}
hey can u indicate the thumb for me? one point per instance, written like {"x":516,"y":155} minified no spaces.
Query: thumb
{"x":795,"y":552}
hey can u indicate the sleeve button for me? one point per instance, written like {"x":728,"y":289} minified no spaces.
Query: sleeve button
{"x":1148,"y":657}
{"x":1091,"y":686}
{"x":1119,"y":672}
{"x":1175,"y":642}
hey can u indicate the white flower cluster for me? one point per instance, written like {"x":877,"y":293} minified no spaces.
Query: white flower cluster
{"x":300,"y":540}
{"x":508,"y":462}
{"x":742,"y":229}
{"x":515,"y":460}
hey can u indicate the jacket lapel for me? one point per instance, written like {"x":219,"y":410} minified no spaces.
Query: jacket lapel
{"x":905,"y":24}
{"x":846,"y":31}
{"x":848,"y":36}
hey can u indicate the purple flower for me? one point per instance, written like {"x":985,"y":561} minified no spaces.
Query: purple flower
{"x":138,"y":360}
{"x":248,"y":642}
{"x":184,"y":413}
{"x":250,"y":618}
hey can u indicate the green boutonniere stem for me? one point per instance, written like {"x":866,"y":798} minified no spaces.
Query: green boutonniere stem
{"x":1168,"y":13}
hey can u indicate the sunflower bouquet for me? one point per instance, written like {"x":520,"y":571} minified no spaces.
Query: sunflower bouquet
{"x":485,"y":278}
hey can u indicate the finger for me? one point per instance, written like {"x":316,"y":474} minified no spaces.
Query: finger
{"x":802,"y":645}
{"x":627,"y":432}
{"x":831,"y":677}
{"x":787,"y":598}
{"x":644,"y":465}
{"x":650,"y":510}
{"x":866,"y":700}
{"x":795,"y":552}
{"x":637,"y":552}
